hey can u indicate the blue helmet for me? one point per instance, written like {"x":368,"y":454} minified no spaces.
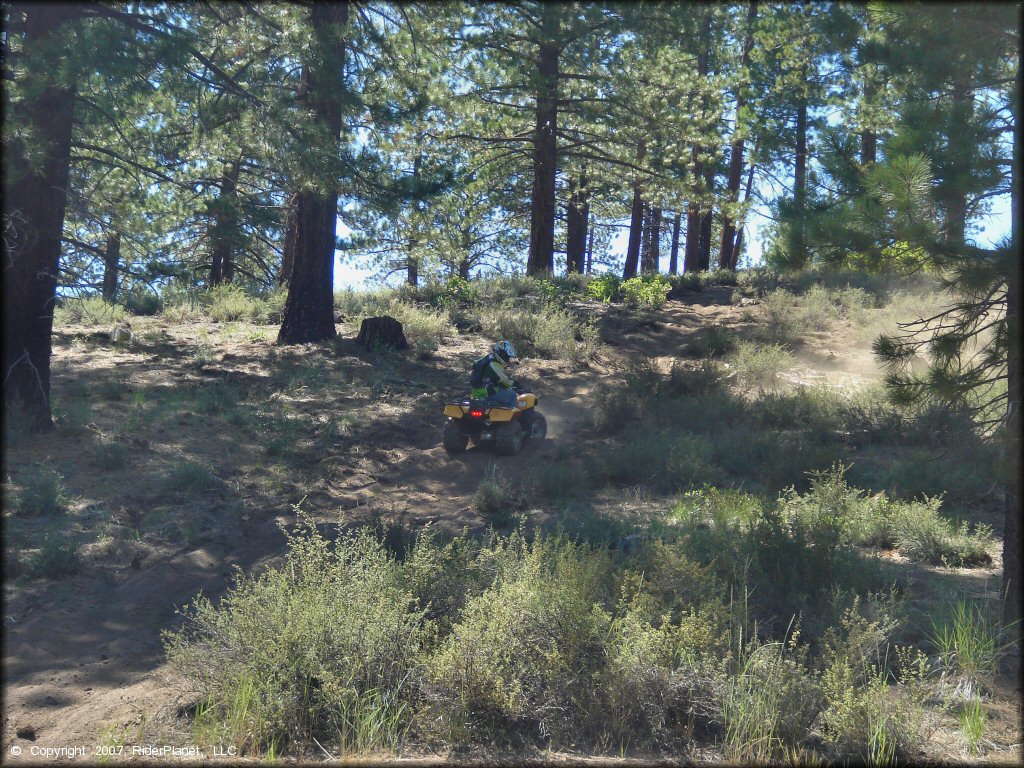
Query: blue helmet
{"x":504,"y":350}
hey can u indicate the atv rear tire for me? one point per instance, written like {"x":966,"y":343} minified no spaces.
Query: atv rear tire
{"x":454,"y":438}
{"x":535,"y":426}
{"x":508,"y":439}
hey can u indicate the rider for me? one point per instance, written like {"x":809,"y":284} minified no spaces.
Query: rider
{"x":489,"y":378}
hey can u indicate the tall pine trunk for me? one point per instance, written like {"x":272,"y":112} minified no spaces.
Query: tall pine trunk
{"x":725,"y":258}
{"x":309,"y":309}
{"x":653,"y":262}
{"x":111,"y":265}
{"x":576,"y":225}
{"x":673,"y":258}
{"x":34,"y":204}
{"x":636,"y":221}
{"x":590,"y":243}
{"x":645,"y":247}
{"x":545,"y":146}
{"x":706,"y":221}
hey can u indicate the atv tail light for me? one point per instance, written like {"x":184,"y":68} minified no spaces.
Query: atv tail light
{"x":476,"y":414}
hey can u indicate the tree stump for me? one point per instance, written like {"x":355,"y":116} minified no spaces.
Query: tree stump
{"x":376,"y":332}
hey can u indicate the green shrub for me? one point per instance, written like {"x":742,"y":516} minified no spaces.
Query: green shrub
{"x":547,"y":332}
{"x":56,"y":558}
{"x":42,"y":493}
{"x":971,"y":642}
{"x":715,"y":340}
{"x":321,"y":648}
{"x":769,"y":704}
{"x":647,"y":291}
{"x":522,"y":660}
{"x":760,"y":364}
{"x":111,"y":456}
{"x":972,"y":724}
{"x":142,"y":302}
{"x":229,"y":302}
{"x":497,"y":499}
{"x":605,"y":288}
{"x":189,"y":477}
{"x":89,"y":311}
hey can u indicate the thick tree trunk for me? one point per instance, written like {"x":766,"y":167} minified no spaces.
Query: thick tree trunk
{"x":111,"y":264}
{"x":653,"y":263}
{"x":590,"y":245}
{"x":545,"y":147}
{"x":636,"y":221}
{"x":673,"y":258}
{"x":576,"y":225}
{"x":645,"y":240}
{"x":224,"y":230}
{"x":725,"y":258}
{"x":34,"y":204}
{"x":309,"y":309}
{"x":868,"y":147}
{"x":636,"y":225}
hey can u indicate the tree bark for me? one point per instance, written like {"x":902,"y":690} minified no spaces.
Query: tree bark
{"x":34,"y":205}
{"x":706,"y":221}
{"x":590,"y":243}
{"x":653,"y":264}
{"x":576,"y":225}
{"x":645,"y":240}
{"x":309,"y":309}
{"x":111,"y":264}
{"x":636,"y":221}
{"x":545,"y":147}
{"x":725,"y":258}
{"x":673,"y":258}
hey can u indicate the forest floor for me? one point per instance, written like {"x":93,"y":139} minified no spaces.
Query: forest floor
{"x":173,"y":485}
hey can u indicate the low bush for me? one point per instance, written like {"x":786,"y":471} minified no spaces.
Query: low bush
{"x":971,"y":642}
{"x":548,"y":332}
{"x":143,"y":302}
{"x":42,"y":493}
{"x":322,"y":648}
{"x":227,"y":302}
{"x":188,"y":477}
{"x":58,"y":557}
{"x":497,"y":499}
{"x":645,"y":291}
{"x":760,"y":364}
{"x":605,"y":288}
{"x":89,"y":311}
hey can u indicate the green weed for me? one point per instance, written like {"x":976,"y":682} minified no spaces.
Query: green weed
{"x":42,"y":493}
{"x":89,"y":311}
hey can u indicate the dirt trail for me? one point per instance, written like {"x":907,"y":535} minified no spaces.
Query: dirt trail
{"x":83,"y":655}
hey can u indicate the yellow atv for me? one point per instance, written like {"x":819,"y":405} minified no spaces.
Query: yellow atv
{"x":474,"y":419}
